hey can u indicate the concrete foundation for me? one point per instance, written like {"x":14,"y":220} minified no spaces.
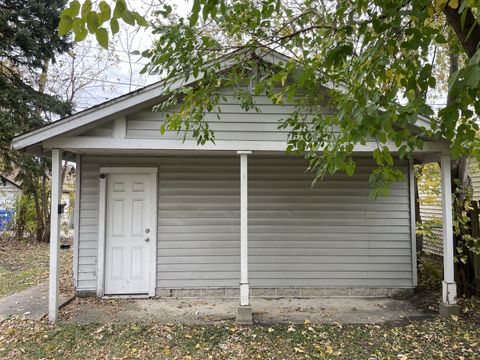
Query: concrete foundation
{"x":244,"y":315}
{"x":447,"y":309}
{"x":227,"y":293}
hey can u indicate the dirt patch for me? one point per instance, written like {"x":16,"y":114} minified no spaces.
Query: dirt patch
{"x":265,"y":311}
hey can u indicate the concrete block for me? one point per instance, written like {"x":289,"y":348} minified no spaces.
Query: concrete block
{"x":312,"y":292}
{"x":363,"y":292}
{"x":263,"y":292}
{"x":85,"y":293}
{"x":182,"y":293}
{"x":447,"y":309}
{"x":163,"y":293}
{"x":288,"y":292}
{"x":214,"y":293}
{"x":401,"y":292}
{"x":244,"y":315}
{"x":382,"y":292}
{"x":336,"y":292}
{"x":233,"y":293}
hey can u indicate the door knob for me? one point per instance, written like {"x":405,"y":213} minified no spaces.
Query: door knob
{"x":147,"y":239}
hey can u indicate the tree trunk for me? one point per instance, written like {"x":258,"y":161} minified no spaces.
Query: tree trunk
{"x":20,"y":221}
{"x":461,"y":187}
{"x":469,"y":33}
{"x":418,"y":218}
{"x":38,"y":211}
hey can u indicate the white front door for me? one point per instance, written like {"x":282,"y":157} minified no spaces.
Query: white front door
{"x":127,"y":234}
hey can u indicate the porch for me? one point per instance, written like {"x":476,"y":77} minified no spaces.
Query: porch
{"x":244,"y":293}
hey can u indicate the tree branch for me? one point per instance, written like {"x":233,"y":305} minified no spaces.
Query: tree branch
{"x":469,"y":34}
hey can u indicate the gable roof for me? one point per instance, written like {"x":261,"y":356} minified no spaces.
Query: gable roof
{"x":131,"y":101}
{"x":149,"y":95}
{"x":11,"y":179}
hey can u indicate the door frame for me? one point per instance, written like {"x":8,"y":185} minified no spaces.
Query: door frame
{"x":102,"y":213}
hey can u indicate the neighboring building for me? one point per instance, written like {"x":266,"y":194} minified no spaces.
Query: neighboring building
{"x":10,"y":191}
{"x":157,"y":215}
{"x":431,"y":204}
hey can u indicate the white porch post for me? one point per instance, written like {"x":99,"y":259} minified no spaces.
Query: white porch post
{"x":244,"y":312}
{"x":54,"y":234}
{"x":449,"y":288}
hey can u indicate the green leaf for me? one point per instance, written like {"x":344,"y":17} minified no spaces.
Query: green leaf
{"x":426,"y":110}
{"x":72,"y":10}
{"x":78,"y":28}
{"x":120,"y":9}
{"x":350,"y":168}
{"x":140,"y":19}
{"x":102,"y":37}
{"x":472,"y":76}
{"x":92,"y":22}
{"x":195,"y":11}
{"x":128,"y":17}
{"x":81,"y":34}
{"x":440,"y":39}
{"x":86,"y":8}
{"x":65,"y":25}
{"x":114,"y":26}
{"x":105,"y":12}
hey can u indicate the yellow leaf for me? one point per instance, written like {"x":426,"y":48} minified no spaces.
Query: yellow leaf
{"x":298,"y":350}
{"x":453,"y":4}
{"x":430,"y":11}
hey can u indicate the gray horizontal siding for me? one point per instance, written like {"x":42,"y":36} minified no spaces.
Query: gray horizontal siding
{"x":103,"y":130}
{"x":88,"y":232}
{"x":190,"y":232}
{"x":228,"y":121}
{"x":331,"y":235}
{"x":474,"y":173}
{"x":370,"y":230}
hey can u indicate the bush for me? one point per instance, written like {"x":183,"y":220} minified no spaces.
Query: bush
{"x":430,"y":272}
{"x":25,"y":219}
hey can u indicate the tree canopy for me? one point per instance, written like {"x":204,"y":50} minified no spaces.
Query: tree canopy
{"x":28,"y":42}
{"x":378,"y":57}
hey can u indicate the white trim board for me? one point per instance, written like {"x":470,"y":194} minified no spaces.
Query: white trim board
{"x":413,"y":225}
{"x":153,"y":172}
{"x":76,"y":217}
{"x":86,"y":144}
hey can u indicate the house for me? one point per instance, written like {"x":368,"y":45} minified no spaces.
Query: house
{"x":10,"y":190}
{"x":158,"y":215}
{"x":430,"y":203}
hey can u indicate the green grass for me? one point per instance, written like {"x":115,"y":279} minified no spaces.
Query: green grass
{"x":24,"y":264}
{"x":453,"y":338}
{"x":15,"y":281}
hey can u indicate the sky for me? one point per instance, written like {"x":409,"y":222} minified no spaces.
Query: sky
{"x":101,"y":75}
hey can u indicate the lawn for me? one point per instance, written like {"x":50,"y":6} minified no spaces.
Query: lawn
{"x":25,"y":263}
{"x":452,"y":338}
